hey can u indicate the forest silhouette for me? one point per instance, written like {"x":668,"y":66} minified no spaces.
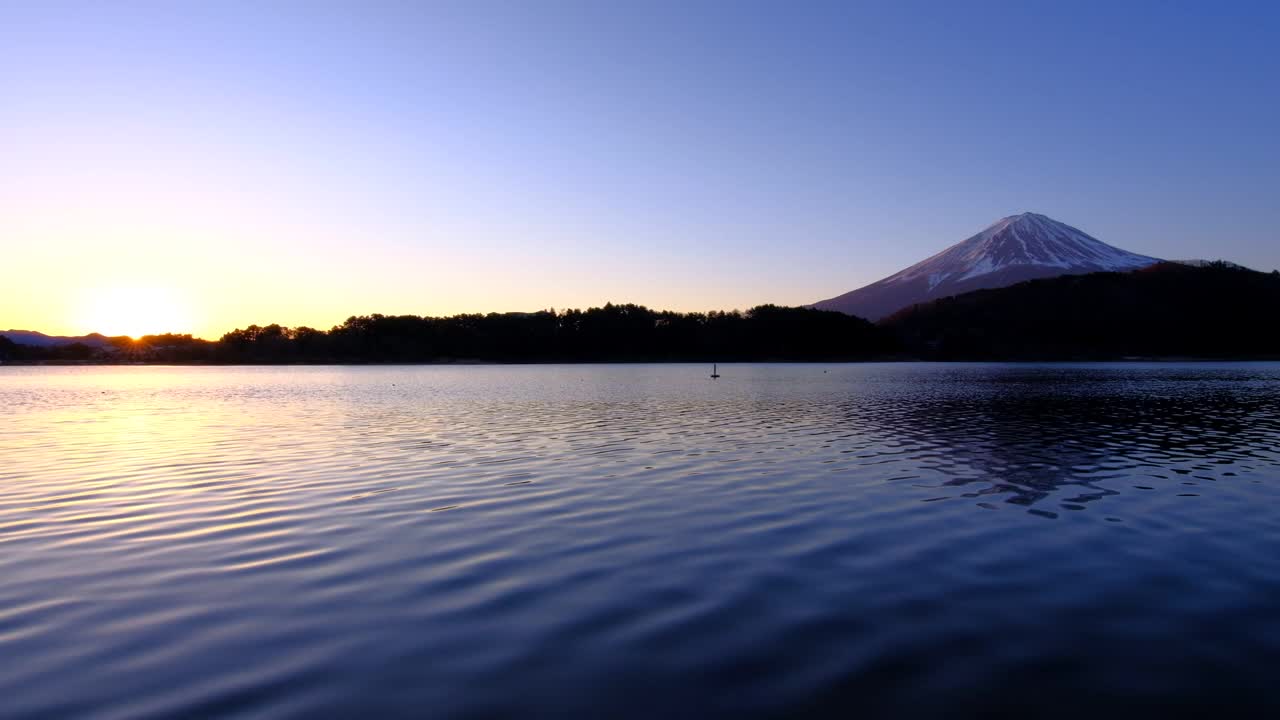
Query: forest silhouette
{"x":1168,"y":310}
{"x":611,"y":333}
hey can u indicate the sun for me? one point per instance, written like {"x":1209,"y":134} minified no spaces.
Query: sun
{"x":135,"y":311}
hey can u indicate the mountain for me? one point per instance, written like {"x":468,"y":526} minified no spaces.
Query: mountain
{"x":1218,"y":310}
{"x":1014,"y":249}
{"x":39,"y":339}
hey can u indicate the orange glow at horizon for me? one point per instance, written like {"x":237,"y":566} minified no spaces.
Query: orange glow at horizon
{"x":134,"y":311}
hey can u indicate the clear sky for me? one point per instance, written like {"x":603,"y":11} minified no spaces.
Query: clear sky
{"x":205,"y":166}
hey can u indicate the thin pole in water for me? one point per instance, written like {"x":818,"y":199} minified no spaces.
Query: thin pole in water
{"x":714,"y":373}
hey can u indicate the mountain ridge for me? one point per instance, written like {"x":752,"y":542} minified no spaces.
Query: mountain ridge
{"x":1013,"y":249}
{"x":39,"y":339}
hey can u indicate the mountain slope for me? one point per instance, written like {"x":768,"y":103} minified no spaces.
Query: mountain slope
{"x":1167,"y":310}
{"x":39,"y":339}
{"x":1014,"y":249}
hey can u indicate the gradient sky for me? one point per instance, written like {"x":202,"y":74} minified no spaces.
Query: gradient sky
{"x":299,"y":162}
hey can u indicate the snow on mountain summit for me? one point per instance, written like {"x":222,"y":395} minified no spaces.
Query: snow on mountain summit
{"x":1026,"y":239}
{"x":1013,"y":249}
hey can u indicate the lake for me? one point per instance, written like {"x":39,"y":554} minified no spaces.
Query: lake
{"x":879,"y":540}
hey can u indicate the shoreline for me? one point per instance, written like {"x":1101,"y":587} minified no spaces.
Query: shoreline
{"x":832,"y":361}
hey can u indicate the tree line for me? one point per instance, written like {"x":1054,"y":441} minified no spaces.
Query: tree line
{"x":1168,"y":310}
{"x":611,"y":333}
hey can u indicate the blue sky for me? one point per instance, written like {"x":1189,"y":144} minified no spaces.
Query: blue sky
{"x":300,"y":162}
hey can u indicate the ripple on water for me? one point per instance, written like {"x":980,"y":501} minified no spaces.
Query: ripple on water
{"x":632,"y":540}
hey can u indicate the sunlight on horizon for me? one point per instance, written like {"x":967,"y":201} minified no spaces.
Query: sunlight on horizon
{"x":135,"y":311}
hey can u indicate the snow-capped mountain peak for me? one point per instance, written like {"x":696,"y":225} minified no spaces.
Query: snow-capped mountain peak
{"x":1026,"y":239}
{"x":1010,"y":250}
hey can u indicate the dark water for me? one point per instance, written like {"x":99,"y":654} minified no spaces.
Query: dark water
{"x":640,"y":541}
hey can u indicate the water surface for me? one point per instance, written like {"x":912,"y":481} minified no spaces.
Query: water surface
{"x":639,"y":540}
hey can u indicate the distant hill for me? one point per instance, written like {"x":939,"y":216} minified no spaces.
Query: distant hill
{"x":1207,"y":263}
{"x":38,"y":339}
{"x":1011,"y":250}
{"x":1216,"y":310}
